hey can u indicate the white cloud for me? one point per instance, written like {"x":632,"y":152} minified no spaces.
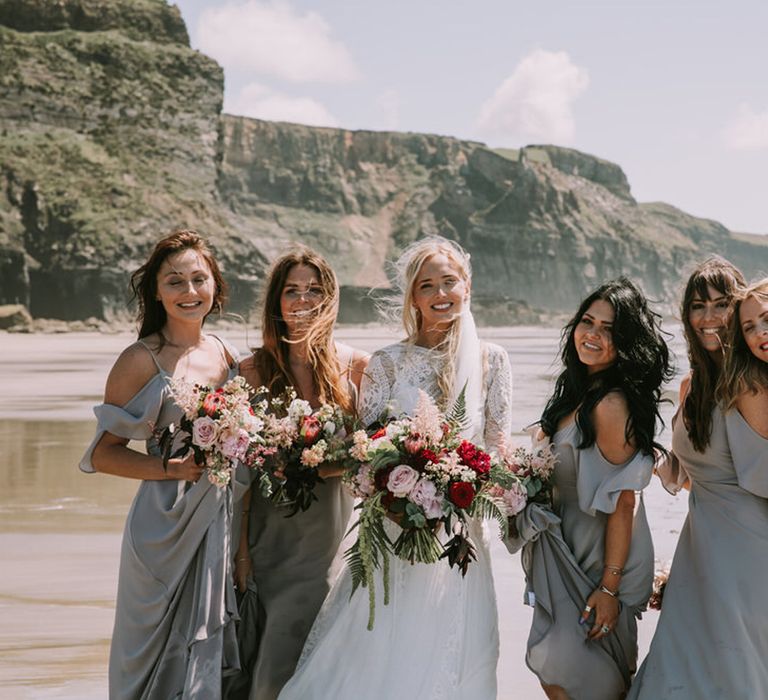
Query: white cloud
{"x":535,"y":103}
{"x":388,"y":110}
{"x":261,"y":102}
{"x":274,"y":39}
{"x":747,"y":130}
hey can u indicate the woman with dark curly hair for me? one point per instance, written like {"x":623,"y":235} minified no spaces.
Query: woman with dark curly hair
{"x":589,"y":561}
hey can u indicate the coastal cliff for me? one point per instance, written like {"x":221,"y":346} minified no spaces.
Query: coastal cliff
{"x":111,"y":133}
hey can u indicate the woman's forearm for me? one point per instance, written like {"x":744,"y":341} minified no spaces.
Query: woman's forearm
{"x":618,"y":537}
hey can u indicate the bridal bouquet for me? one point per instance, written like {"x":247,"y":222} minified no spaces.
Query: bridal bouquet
{"x":419,"y":472}
{"x":219,"y":425}
{"x":298,"y":440}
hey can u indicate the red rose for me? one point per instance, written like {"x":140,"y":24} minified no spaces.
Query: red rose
{"x":474,"y":458}
{"x":310,"y":429}
{"x":380,"y":433}
{"x":461,"y":493}
{"x":213,"y":403}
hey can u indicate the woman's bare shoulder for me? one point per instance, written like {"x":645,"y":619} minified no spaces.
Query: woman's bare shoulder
{"x":131,"y":371}
{"x":248,"y":369}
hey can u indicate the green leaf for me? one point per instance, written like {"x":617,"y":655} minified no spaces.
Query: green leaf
{"x":457,"y":416}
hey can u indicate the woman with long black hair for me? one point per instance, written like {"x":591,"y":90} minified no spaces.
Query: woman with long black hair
{"x":589,"y":561}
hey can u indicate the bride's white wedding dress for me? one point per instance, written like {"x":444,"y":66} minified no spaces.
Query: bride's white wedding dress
{"x":438,"y":637}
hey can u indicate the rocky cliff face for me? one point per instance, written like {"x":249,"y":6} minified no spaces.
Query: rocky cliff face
{"x":111,"y":133}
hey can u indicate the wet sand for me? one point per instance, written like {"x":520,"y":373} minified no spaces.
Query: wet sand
{"x":60,"y":530}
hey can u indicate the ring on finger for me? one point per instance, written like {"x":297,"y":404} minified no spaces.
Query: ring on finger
{"x":587,"y":609}
{"x":605,"y":629}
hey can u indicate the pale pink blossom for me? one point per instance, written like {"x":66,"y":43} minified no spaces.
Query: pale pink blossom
{"x":425,"y":494}
{"x":402,"y":480}
{"x":234,"y":444}
{"x":204,"y":432}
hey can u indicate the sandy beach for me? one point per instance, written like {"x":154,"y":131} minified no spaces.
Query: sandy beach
{"x":60,"y":530}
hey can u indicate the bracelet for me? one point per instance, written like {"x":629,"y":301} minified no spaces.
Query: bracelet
{"x":243,"y":559}
{"x":245,"y":512}
{"x":615,"y":570}
{"x":608,"y":591}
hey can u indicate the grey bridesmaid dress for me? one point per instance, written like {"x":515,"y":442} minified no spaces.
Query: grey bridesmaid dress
{"x":293,"y":569}
{"x":174,"y":633}
{"x":563,"y":558}
{"x":711,"y":642}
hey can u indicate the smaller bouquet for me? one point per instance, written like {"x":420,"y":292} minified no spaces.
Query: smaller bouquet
{"x":419,"y":472}
{"x":298,"y":440}
{"x":219,"y":425}
{"x":521,"y":476}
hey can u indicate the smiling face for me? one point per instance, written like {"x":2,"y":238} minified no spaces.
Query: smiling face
{"x":185,"y":286}
{"x":301,"y":296}
{"x":439,"y":292}
{"x":593,"y":336}
{"x":753,"y":318}
{"x":709,"y":319}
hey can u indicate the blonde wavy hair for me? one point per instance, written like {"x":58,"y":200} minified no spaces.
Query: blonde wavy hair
{"x":407,"y":269}
{"x":272,"y":359}
{"x":742,"y":371}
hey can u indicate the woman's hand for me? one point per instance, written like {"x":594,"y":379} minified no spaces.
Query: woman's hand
{"x":606,"y":608}
{"x":184,"y":469}
{"x":242,"y":570}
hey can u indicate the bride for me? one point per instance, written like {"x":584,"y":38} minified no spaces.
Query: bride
{"x":438,"y":637}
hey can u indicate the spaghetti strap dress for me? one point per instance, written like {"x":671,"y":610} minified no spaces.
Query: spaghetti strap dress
{"x":711,"y":642}
{"x":174,"y":632}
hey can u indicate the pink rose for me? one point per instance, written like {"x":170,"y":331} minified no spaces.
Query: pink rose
{"x":364,"y":479}
{"x":235,"y":445}
{"x":515,"y":499}
{"x":204,"y":432}
{"x":425,"y":495}
{"x":402,"y":480}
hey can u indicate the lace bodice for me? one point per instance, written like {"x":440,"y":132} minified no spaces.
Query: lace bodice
{"x":396,"y":373}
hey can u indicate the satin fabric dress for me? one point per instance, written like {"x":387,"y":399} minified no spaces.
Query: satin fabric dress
{"x":711,"y":642}
{"x":563,"y":557}
{"x":174,"y":632}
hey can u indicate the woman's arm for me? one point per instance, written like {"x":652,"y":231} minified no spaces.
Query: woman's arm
{"x":133,"y":369}
{"x":610,"y":418}
{"x":498,"y":399}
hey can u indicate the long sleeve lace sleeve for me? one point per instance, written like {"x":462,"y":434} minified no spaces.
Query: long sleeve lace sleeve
{"x":375,"y":388}
{"x":498,"y":400}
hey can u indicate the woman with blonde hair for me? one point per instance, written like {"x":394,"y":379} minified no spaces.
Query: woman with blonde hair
{"x":438,"y":636}
{"x":174,"y":633}
{"x":711,"y":641}
{"x":290,"y":559}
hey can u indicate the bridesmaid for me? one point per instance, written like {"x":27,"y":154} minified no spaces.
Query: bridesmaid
{"x":589,"y":563}
{"x":290,"y":559}
{"x":174,"y":632}
{"x":712,"y":637}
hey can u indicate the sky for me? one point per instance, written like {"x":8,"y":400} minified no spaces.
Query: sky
{"x":674,"y":91}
